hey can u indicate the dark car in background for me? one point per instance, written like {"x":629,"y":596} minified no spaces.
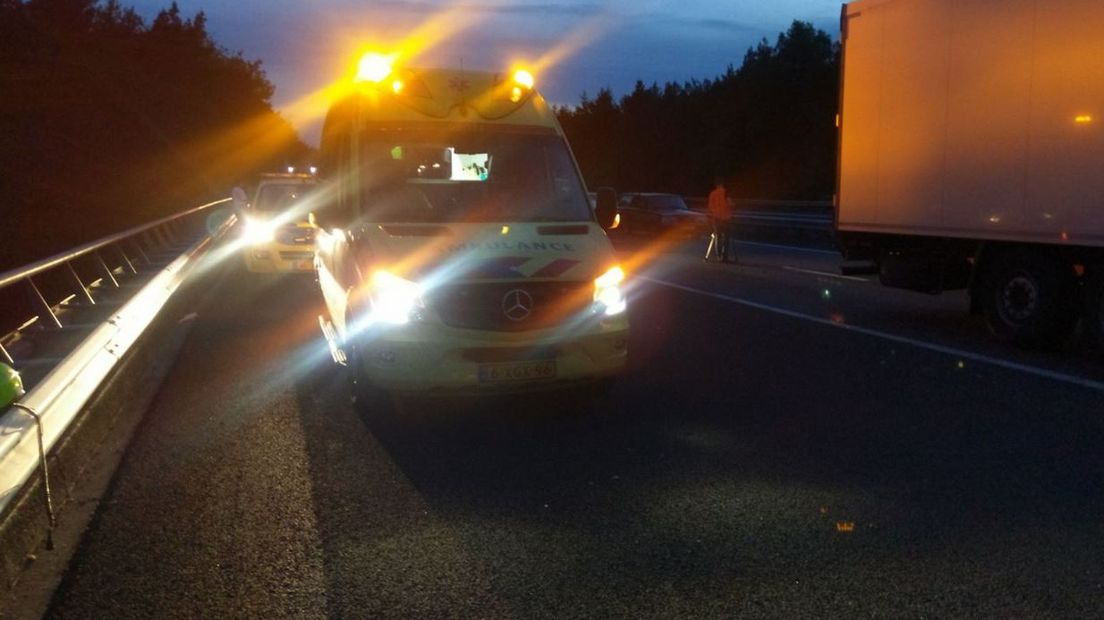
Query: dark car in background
{"x":654,"y":214}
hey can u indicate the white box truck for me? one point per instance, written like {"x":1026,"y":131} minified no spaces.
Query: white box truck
{"x":972,"y":155}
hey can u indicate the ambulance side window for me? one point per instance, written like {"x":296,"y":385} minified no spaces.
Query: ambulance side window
{"x":333,"y":209}
{"x":345,"y":207}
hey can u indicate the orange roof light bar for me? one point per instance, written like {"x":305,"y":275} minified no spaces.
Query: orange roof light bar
{"x":524,"y":78}
{"x":523,"y":83}
{"x":374,"y":67}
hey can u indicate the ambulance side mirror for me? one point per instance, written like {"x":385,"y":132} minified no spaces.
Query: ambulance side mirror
{"x":605,"y":209}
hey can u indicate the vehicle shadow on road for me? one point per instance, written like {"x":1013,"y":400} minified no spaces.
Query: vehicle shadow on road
{"x":714,"y":478}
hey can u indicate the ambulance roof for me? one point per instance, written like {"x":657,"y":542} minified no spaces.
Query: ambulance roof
{"x":453,"y":96}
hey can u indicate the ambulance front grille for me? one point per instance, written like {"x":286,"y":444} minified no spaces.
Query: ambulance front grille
{"x":511,"y":306}
{"x":291,"y":234}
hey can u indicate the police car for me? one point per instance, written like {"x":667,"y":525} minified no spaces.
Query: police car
{"x":458,"y":251}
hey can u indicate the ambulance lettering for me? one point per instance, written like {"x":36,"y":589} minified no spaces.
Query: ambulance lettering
{"x":555,"y":246}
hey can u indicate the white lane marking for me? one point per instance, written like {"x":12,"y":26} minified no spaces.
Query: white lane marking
{"x":938,"y":348}
{"x":825,"y":273}
{"x":787,"y":247}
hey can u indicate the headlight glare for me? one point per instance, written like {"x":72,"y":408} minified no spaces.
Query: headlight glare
{"x":394,"y":299}
{"x":608,"y":297}
{"x":258,"y":231}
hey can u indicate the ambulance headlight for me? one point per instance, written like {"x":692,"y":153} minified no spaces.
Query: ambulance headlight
{"x":258,"y":231}
{"x":395,"y":300}
{"x":608,"y":297}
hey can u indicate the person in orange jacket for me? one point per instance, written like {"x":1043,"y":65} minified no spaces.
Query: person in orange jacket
{"x":722,"y":219}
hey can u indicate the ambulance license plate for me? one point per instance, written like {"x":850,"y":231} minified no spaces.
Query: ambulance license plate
{"x":518,"y":371}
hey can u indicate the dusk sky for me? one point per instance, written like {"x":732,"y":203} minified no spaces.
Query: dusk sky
{"x":305,"y":44}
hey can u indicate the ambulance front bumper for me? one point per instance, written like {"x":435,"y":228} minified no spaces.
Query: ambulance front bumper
{"x":430,"y":358}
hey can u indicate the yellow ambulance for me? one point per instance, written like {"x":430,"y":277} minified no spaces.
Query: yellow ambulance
{"x":457,"y":251}
{"x":277,"y":236}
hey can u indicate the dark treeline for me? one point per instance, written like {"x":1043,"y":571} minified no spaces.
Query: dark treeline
{"x":769,"y":127}
{"x":107,"y":121}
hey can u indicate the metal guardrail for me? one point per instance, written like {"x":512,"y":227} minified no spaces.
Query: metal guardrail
{"x":811,"y":207}
{"x":793,"y":214}
{"x":803,"y":222}
{"x":30,"y":427}
{"x":790,"y":220}
{"x":110,"y":257}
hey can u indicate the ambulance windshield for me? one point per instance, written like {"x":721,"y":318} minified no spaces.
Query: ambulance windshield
{"x":283,"y":197}
{"x":469,"y":176}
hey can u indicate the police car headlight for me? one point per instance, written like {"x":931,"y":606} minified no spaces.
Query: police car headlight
{"x":608,"y":297}
{"x":394,"y":300}
{"x":258,"y":231}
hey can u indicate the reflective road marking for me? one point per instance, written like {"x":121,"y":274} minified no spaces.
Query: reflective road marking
{"x":960,"y":353}
{"x":787,"y":247}
{"x":825,"y":273}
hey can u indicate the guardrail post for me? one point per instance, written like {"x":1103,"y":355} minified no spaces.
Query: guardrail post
{"x":126,"y":259}
{"x":43,"y":303}
{"x":181,"y":228}
{"x":138,"y":246}
{"x":185,"y":228}
{"x":80,"y":284}
{"x":159,"y":237}
{"x":106,"y":269}
{"x":174,"y":229}
{"x":7,"y":356}
{"x":169,"y":234}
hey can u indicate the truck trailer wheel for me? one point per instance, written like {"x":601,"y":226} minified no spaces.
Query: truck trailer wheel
{"x":1094,"y":305}
{"x":1030,"y":299}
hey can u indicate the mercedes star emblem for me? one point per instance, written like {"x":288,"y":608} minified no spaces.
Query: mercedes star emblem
{"x":517,"y":305}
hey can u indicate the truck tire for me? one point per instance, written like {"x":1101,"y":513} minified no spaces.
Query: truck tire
{"x":1093,"y":307}
{"x":1030,"y":299}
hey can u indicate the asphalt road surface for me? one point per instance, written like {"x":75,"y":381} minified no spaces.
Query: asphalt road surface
{"x":788,"y":444}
